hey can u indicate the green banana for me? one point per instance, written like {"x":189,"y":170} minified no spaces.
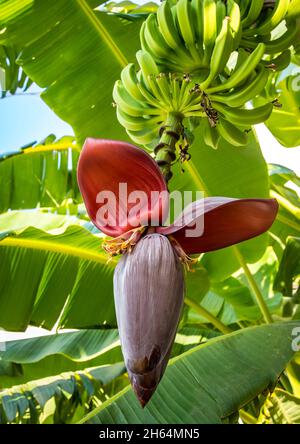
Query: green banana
{"x":164,"y":87}
{"x":144,"y":44}
{"x":152,"y":97}
{"x":158,"y":93}
{"x":244,"y":94}
{"x":231,"y":133}
{"x":235,"y":22}
{"x":278,"y":45}
{"x":167,"y":26}
{"x":294,"y":9}
{"x":280,"y":62}
{"x":126,"y":102}
{"x":210,"y":135}
{"x":209,"y":13}
{"x":130,"y":81}
{"x":185,"y":22}
{"x":185,"y":19}
{"x":221,"y":14}
{"x":197,"y":13}
{"x":273,"y":20}
{"x":244,"y":117}
{"x":242,"y":56}
{"x":253,"y":13}
{"x":154,"y":38}
{"x":147,"y":65}
{"x":244,"y":6}
{"x":220,"y":54}
{"x":243,"y":72}
{"x":145,"y":136}
{"x":136,"y":123}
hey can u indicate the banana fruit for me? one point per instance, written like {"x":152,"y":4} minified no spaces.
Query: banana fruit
{"x":241,"y":74}
{"x":245,"y":117}
{"x":220,"y":54}
{"x":239,"y":96}
{"x":205,"y":60}
{"x":260,"y":21}
{"x":184,"y":35}
{"x":231,"y":133}
{"x":272,"y":20}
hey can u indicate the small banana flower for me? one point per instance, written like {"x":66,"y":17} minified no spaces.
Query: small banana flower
{"x":149,"y":278}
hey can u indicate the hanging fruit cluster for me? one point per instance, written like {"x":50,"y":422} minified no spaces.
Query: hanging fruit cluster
{"x":202,"y":62}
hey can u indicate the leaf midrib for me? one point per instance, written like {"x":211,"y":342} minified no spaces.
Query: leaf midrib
{"x":51,"y":147}
{"x":101,"y":30}
{"x":54,"y":247}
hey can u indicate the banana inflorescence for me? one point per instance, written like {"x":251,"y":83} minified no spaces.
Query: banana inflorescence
{"x":201,"y":62}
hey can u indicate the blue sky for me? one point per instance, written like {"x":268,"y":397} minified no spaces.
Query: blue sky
{"x":25,"y":118}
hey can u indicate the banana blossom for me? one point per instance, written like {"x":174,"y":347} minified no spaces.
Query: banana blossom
{"x":149,"y":278}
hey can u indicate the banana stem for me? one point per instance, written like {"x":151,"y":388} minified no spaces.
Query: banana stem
{"x":207,"y":315}
{"x":253,"y":285}
{"x":165,"y":151}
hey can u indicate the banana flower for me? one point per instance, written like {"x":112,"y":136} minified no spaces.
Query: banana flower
{"x":149,"y":278}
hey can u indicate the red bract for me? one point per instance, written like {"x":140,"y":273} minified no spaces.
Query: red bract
{"x":225,"y":222}
{"x":148,"y":282}
{"x":103,"y":166}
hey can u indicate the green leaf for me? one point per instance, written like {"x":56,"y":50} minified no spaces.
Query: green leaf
{"x":71,"y":386}
{"x":13,"y":77}
{"x":9,"y":368}
{"x":25,"y":360}
{"x":232,"y":302}
{"x":42,"y":175}
{"x":79,"y":346}
{"x":284,"y":122}
{"x":208,"y":382}
{"x":76,"y":53}
{"x":280,"y":175}
{"x":287,"y":221}
{"x":189,"y":337}
{"x":289,"y":268}
{"x":281,"y":408}
{"x":68,"y":268}
{"x":197,"y":283}
{"x":20,"y":220}
{"x":231,"y":172}
{"x":124,"y":7}
{"x":49,"y":355}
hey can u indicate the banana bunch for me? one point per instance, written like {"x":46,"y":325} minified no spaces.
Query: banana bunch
{"x":270,"y":21}
{"x":146,"y":98}
{"x":183,"y":37}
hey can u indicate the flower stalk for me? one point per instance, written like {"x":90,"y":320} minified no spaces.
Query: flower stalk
{"x":165,"y":151}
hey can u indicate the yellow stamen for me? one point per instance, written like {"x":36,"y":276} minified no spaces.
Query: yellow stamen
{"x":124,"y":243}
{"x":186,"y":260}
